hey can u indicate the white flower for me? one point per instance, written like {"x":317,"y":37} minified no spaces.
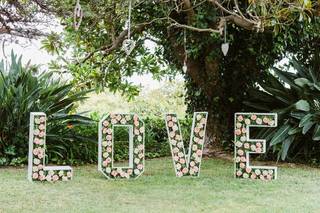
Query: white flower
{"x":259,"y":121}
{"x":238,"y":125}
{"x":265,"y":172}
{"x":136,"y":132}
{"x":203,"y":121}
{"x":257,"y":171}
{"x":173,"y":142}
{"x":136,"y":172}
{"x":61,"y":173}
{"x":245,"y":175}
{"x":141,"y":147}
{"x":142,"y":129}
{"x":178,"y":137}
{"x":238,"y":144}
{"x":108,"y":170}
{"x":128,"y":117}
{"x":247,"y":121}
{"x":139,"y":138}
{"x":51,"y":172}
{"x":199,"y":117}
{"x":178,"y":166}
{"x":180,"y":145}
{"x":243,"y":138}
{"x":123,"y":121}
{"x":105,"y":154}
{"x":201,"y":133}
{"x":69,"y":174}
{"x":191,"y":171}
{"x":36,"y":132}
{"x":42,"y":119}
{"x":136,"y":151}
{"x":37,"y":120}
{"x":180,"y":154}
{"x":175,"y":150}
{"x":141,"y":155}
{"x":174,"y":119}
{"x":136,"y":160}
{"x":175,"y":127}
{"x":194,"y":147}
{"x":36,"y":161}
{"x":172,"y":134}
{"x":104,"y":143}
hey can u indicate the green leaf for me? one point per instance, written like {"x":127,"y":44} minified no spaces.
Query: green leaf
{"x":305,"y":119}
{"x":280,"y":135}
{"x":301,"y":82}
{"x":285,"y":146}
{"x":307,"y":126}
{"x":294,"y":130}
{"x":316,"y":133}
{"x":302,"y":105}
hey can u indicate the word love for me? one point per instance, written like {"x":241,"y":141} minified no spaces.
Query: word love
{"x":185,"y":164}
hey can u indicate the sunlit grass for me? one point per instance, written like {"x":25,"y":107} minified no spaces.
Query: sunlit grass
{"x":158,"y":190}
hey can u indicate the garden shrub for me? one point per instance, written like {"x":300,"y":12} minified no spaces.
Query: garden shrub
{"x":295,"y":96}
{"x":23,"y":91}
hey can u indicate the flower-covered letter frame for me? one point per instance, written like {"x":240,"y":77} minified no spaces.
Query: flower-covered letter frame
{"x":244,"y":146}
{"x":187,"y":165}
{"x":136,"y":146}
{"x":37,"y":171}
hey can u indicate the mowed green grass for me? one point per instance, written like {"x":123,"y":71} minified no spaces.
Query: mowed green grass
{"x":158,"y":190}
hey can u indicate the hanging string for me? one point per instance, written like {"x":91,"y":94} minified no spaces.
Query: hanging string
{"x":128,"y":44}
{"x":185,"y":67}
{"x":129,"y":19}
{"x":225,"y":32}
{"x":77,"y":16}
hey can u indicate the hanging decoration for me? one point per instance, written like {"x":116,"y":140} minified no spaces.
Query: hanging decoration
{"x":77,"y":16}
{"x":37,"y":170}
{"x":185,"y":67}
{"x":225,"y":45}
{"x":244,"y":145}
{"x":128,"y":44}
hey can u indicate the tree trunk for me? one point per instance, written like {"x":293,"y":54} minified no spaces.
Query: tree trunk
{"x":219,"y":84}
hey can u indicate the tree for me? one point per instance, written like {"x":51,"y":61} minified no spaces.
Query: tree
{"x":216,"y":83}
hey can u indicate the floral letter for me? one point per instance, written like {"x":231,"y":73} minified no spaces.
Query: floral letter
{"x":136,"y":146}
{"x":37,"y":171}
{"x":244,"y":145}
{"x":187,"y":165}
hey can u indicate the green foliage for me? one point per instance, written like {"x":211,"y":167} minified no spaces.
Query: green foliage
{"x":296,"y":99}
{"x":23,"y":91}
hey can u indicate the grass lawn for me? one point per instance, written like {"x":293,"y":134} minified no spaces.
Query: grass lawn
{"x":158,"y":190}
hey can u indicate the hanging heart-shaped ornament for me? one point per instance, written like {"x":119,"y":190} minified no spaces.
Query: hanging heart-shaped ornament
{"x":77,"y":16}
{"x":225,"y":48}
{"x":185,"y":67}
{"x":128,"y":45}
